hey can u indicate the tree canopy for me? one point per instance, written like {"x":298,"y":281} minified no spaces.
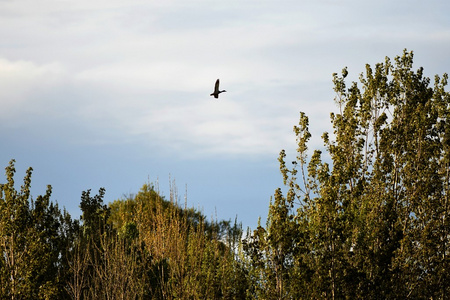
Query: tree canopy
{"x":372,"y":221}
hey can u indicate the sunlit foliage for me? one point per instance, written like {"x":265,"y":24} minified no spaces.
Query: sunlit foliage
{"x":373,"y":221}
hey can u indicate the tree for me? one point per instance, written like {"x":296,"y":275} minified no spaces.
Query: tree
{"x":143,"y":247}
{"x":31,"y":245}
{"x":87,"y":257}
{"x":375,"y":222}
{"x":186,"y":256}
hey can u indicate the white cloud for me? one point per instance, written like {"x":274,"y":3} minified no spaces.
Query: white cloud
{"x":21,"y":82}
{"x":144,"y":69}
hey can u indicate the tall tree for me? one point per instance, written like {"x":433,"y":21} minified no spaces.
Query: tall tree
{"x":374,"y":223}
{"x":31,"y":244}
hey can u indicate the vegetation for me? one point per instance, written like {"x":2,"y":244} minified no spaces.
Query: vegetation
{"x":144,"y":247}
{"x":371,"y":221}
{"x":375,"y":224}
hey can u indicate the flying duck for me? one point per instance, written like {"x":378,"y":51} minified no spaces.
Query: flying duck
{"x":216,"y":90}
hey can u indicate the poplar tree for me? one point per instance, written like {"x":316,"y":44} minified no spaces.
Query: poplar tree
{"x":31,"y":243}
{"x":371,"y":221}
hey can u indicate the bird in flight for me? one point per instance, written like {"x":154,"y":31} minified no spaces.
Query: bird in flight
{"x":216,"y":90}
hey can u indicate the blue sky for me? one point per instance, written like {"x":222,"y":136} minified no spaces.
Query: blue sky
{"x":116,"y":93}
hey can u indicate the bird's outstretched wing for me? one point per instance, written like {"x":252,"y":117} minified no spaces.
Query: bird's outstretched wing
{"x":216,"y":87}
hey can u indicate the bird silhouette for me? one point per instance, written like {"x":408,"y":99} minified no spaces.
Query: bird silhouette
{"x":216,"y":90}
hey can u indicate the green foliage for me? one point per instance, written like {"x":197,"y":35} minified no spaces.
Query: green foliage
{"x":376,"y":224}
{"x":190,"y":257}
{"x":143,"y":247}
{"x":31,"y":244}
